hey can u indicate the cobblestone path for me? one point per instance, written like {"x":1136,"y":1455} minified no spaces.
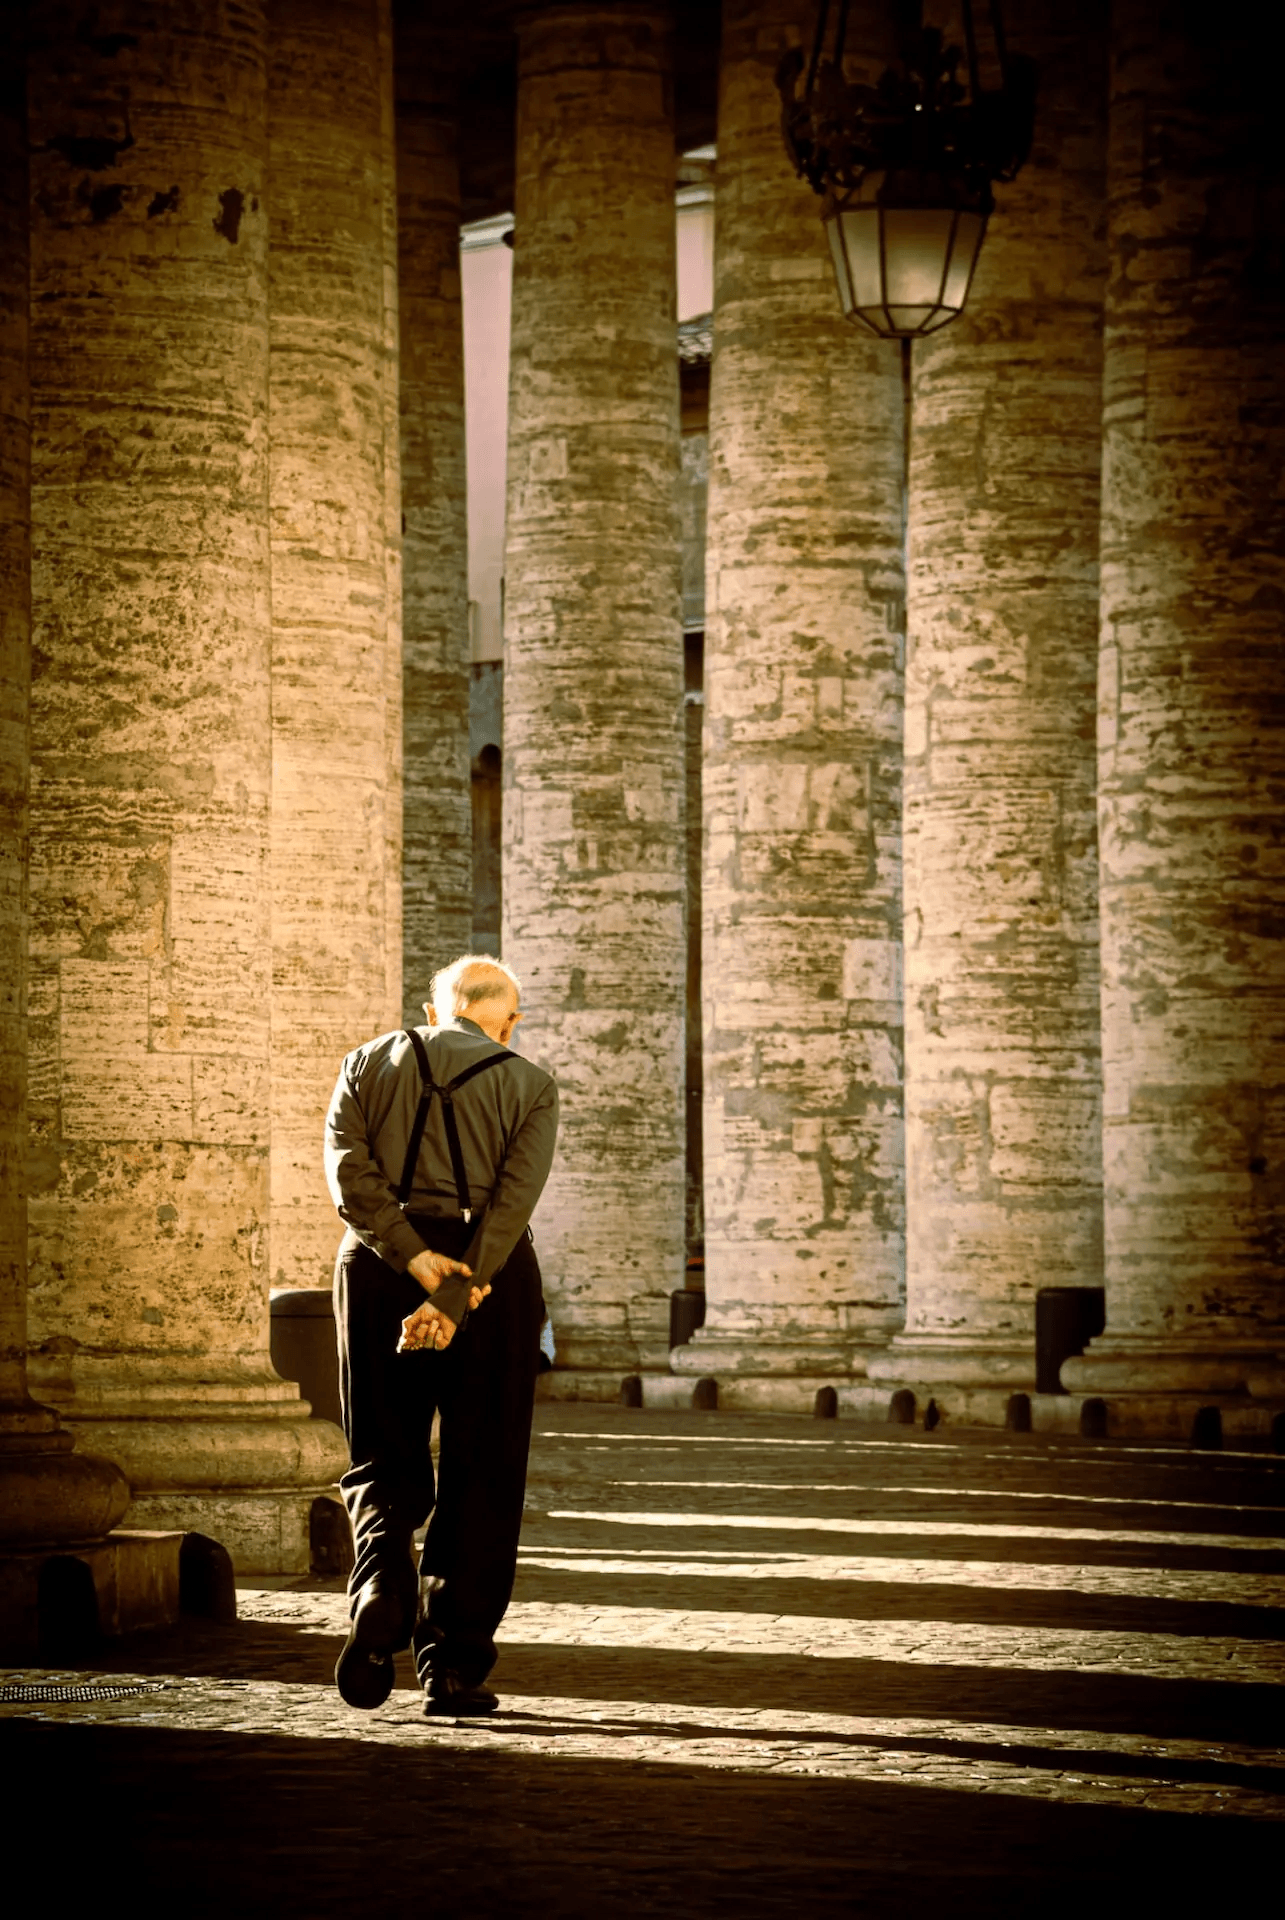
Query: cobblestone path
{"x":753,"y":1666}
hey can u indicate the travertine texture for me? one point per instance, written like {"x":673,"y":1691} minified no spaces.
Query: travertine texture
{"x":1192,"y":687}
{"x":15,"y":690}
{"x":801,"y":884}
{"x":1003,"y":1107}
{"x":150,"y":938}
{"x":47,"y":1493}
{"x":593,"y":681}
{"x":393,"y":910}
{"x":437,"y":808}
{"x":329,"y":421}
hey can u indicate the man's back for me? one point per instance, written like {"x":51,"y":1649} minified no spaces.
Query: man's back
{"x":507,"y":1118}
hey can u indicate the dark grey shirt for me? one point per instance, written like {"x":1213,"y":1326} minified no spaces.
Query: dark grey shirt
{"x":508,"y":1123}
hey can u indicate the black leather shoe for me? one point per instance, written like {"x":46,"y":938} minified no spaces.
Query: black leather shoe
{"x":364,"y":1671}
{"x":449,"y":1696}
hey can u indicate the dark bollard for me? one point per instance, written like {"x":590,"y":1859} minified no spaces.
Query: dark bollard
{"x":1066,"y":1319}
{"x":686,"y":1313}
{"x":705,"y":1396}
{"x":932,"y":1416}
{"x":304,"y":1347}
{"x":1207,"y":1430}
{"x":1017,"y":1414}
{"x":826,"y":1404}
{"x":1093,"y":1420}
{"x":631,"y":1390}
{"x":329,"y":1537}
{"x":901,"y":1408}
{"x":206,"y":1579}
{"x":68,"y":1625}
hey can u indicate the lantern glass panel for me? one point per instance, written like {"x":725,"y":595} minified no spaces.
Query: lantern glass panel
{"x":842,"y":273}
{"x":963,"y":258}
{"x":916,"y":254}
{"x":861,"y":234}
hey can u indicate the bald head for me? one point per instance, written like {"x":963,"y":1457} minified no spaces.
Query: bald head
{"x":479,"y":988}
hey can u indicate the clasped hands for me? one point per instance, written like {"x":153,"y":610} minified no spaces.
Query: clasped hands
{"x":428,"y":1326}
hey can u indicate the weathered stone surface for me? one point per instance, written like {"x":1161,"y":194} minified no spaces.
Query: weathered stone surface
{"x":328,"y":429}
{"x":802,"y":747}
{"x":46,"y":1491}
{"x":394,"y":918}
{"x":150,"y":937}
{"x":593,"y":681}
{"x":1003,"y":1108}
{"x":1192,"y":684}
{"x":15,"y":695}
{"x":437,"y":809}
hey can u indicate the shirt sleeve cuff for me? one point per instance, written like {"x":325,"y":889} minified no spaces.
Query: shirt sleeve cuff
{"x":401,"y":1244}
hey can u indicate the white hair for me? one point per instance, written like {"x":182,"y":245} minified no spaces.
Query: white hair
{"x":473,"y":977}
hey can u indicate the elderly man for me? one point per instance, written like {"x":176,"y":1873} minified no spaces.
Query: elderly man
{"x":438,"y":1143}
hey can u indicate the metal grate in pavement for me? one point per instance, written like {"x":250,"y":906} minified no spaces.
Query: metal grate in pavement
{"x":39,"y":1692}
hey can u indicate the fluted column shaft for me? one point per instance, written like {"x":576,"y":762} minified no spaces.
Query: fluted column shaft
{"x":801,"y":767}
{"x":593,"y":747}
{"x":1003,"y":1104}
{"x":329,"y":433}
{"x":150,"y":942}
{"x":438,"y":822}
{"x":1192,"y":688}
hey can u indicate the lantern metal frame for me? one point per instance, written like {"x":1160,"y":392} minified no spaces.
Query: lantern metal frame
{"x":925,"y":138}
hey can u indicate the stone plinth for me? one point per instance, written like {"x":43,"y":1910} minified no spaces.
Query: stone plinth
{"x":437,"y":805}
{"x":328,"y":429}
{"x":801,"y":923}
{"x":151,"y":722}
{"x":1192,"y":683}
{"x":593,"y":677}
{"x":1003,"y":1105}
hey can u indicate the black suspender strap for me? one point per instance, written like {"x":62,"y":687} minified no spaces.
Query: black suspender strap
{"x":446,"y":1095}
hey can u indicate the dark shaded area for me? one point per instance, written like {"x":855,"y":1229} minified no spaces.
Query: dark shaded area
{"x":337,"y":1826}
{"x":231,"y":211}
{"x":467,"y":66}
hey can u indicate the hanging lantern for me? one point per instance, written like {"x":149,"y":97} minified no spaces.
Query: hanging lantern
{"x":906,"y":168}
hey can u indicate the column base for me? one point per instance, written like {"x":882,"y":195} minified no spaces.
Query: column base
{"x":763,"y":1356}
{"x":928,"y":1363}
{"x":58,"y":1601}
{"x":249,"y":1483}
{"x":1116,"y":1364}
{"x":48,"y":1494}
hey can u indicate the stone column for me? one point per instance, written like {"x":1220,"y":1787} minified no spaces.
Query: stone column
{"x":437,"y":801}
{"x":1192,"y":688}
{"x":802,"y":776}
{"x":47,"y":1492}
{"x":593,"y":671}
{"x":329,"y":433}
{"x":1003,"y":1105}
{"x":150,"y":939}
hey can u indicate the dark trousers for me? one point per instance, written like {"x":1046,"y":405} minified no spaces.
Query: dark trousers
{"x":483,"y":1385}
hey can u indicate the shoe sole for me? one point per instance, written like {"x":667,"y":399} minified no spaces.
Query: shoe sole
{"x":365,"y":1670}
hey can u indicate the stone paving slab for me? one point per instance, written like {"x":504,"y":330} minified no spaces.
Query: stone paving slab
{"x":1034,"y":1674}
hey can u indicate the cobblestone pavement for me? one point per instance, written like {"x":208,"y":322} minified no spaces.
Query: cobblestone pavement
{"x":752,"y":1664}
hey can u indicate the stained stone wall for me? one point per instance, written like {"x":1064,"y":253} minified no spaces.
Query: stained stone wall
{"x":1192,"y":684}
{"x":802,"y":749}
{"x":15,"y":693}
{"x":328,"y":425}
{"x":394,"y":755}
{"x":593,"y":679}
{"x":151,"y":753}
{"x":437,"y":823}
{"x":1003,"y":1109}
